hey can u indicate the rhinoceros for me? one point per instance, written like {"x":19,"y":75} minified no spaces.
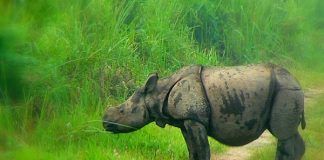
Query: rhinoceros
{"x":233,"y":105}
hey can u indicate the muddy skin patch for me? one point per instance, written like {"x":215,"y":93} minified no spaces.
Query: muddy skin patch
{"x":172,"y":94}
{"x":250,"y":124}
{"x":213,"y":86}
{"x":223,"y":119}
{"x":177,"y":99}
{"x":226,"y":85}
{"x":232,"y":106}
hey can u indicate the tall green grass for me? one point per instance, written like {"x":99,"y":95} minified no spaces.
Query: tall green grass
{"x":62,"y":62}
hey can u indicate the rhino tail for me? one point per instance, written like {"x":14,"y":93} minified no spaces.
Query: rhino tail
{"x":303,"y":122}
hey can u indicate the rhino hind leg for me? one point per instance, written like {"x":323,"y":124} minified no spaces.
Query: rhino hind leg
{"x":292,"y":148}
{"x":287,"y":109}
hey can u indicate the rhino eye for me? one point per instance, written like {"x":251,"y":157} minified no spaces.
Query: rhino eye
{"x":121,"y":110}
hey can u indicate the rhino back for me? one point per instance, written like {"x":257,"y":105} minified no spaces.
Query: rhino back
{"x":239,"y":98}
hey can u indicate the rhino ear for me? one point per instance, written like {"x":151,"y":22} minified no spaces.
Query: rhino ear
{"x":151,"y":83}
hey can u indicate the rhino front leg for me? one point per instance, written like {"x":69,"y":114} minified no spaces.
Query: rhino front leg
{"x":195,"y":135}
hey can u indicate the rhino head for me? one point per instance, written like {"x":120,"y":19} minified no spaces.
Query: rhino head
{"x":133,"y":114}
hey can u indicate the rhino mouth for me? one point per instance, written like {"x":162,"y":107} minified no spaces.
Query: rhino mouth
{"x":117,"y":127}
{"x":110,"y":127}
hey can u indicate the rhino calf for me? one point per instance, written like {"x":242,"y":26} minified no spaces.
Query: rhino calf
{"x":234,"y":105}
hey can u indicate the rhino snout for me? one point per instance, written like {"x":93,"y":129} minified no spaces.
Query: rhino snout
{"x":108,"y":119}
{"x":105,"y":123}
{"x":115,"y":120}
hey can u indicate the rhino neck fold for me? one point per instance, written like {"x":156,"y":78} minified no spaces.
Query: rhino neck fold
{"x":164,"y":86}
{"x":205,"y":95}
{"x":158,"y":112}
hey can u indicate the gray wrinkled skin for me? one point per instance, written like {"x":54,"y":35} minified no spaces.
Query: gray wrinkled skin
{"x":233,"y":105}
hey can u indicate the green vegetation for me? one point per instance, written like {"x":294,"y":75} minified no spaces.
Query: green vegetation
{"x":62,"y":62}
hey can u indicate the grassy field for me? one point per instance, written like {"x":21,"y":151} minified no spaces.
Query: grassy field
{"x":63,"y":62}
